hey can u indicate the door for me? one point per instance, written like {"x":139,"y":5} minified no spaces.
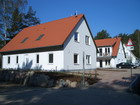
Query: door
{"x":101,"y":63}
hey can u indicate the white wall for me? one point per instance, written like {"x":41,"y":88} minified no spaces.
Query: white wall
{"x":72,"y":47}
{"x":130,"y":55}
{"x":121,"y":55}
{"x":28,"y":61}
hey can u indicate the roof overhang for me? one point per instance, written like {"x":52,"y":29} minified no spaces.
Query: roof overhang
{"x":39,"y":49}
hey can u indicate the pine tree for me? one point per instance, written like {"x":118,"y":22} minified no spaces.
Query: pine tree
{"x":30,"y":18}
{"x":102,"y":35}
{"x":6,"y":9}
{"x":16,"y":23}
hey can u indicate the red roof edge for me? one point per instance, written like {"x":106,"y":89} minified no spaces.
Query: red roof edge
{"x":116,"y":46}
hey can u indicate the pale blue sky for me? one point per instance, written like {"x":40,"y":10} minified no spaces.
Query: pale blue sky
{"x":115,"y":16}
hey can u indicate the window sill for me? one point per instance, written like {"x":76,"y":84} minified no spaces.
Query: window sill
{"x":88,"y":64}
{"x":50,"y":63}
{"x":88,"y":44}
{"x":76,"y":63}
{"x":77,"y":41}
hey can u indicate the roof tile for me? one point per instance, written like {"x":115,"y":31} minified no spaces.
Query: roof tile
{"x":55,"y":33}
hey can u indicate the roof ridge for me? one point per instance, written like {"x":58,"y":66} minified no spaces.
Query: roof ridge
{"x":52,"y":21}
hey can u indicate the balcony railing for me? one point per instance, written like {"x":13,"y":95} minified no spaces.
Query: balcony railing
{"x":103,"y":55}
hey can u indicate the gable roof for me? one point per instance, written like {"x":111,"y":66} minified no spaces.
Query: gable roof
{"x":114,"y":42}
{"x":53,"y":33}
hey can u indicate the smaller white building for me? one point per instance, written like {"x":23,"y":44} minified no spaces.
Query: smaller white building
{"x":130,"y":57}
{"x":110,"y":52}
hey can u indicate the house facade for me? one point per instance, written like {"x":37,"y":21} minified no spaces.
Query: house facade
{"x":110,"y":52}
{"x":64,"y":44}
{"x":130,"y":57}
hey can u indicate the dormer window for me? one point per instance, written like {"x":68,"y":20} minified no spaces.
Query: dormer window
{"x":76,"y":37}
{"x":40,"y":37}
{"x":24,"y":40}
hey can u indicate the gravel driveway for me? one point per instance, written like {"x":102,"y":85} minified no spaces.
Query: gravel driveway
{"x":118,"y":79}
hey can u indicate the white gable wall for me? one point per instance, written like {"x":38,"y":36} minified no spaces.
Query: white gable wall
{"x":80,"y":48}
{"x":130,"y":55}
{"x":121,"y":55}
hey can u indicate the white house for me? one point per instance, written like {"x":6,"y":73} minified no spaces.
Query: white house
{"x":111,"y":52}
{"x":130,"y":57}
{"x":64,"y":44}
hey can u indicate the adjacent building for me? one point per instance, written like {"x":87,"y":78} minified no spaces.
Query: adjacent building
{"x":130,"y":57}
{"x":64,"y":44}
{"x":110,"y":52}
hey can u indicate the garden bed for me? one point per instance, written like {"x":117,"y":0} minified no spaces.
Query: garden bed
{"x":45,"y":78}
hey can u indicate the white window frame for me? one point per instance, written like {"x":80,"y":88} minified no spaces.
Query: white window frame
{"x":78,"y":37}
{"x":49,"y":59}
{"x":87,"y":40}
{"x":88,"y":59}
{"x":77,"y":59}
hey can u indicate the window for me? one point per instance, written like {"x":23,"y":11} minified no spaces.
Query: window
{"x":24,"y":40}
{"x":100,"y":52}
{"x":88,"y":59}
{"x":106,"y":62}
{"x":87,"y":40}
{"x":76,"y":58}
{"x":50,"y":58}
{"x":8,"y":60}
{"x":105,"y":50}
{"x":76,"y":37}
{"x":108,"y":50}
{"x":40,"y":37}
{"x":37,"y":58}
{"x":16,"y":59}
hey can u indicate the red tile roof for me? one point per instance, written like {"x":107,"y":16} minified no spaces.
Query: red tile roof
{"x":55,"y":33}
{"x":114,"y":42}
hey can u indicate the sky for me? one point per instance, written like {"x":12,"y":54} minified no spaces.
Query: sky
{"x":115,"y":16}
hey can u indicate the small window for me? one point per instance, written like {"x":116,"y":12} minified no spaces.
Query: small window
{"x":87,"y":40}
{"x":88,"y":59}
{"x":105,"y":50}
{"x":76,"y":58}
{"x":76,"y":37}
{"x":17,"y":59}
{"x":37,"y":58}
{"x":24,"y":40}
{"x":8,"y":60}
{"x":100,"y":52}
{"x":50,"y":58}
{"x":106,"y":62}
{"x":108,"y":50}
{"x":40,"y":37}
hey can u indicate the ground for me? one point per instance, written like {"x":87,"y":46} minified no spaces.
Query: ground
{"x":111,"y":90}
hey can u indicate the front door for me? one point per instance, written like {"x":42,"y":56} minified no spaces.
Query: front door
{"x":101,"y":63}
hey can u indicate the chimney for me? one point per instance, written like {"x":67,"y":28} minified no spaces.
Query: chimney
{"x":75,"y":13}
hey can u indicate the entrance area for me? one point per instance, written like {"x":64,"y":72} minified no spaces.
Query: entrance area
{"x":101,"y":65}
